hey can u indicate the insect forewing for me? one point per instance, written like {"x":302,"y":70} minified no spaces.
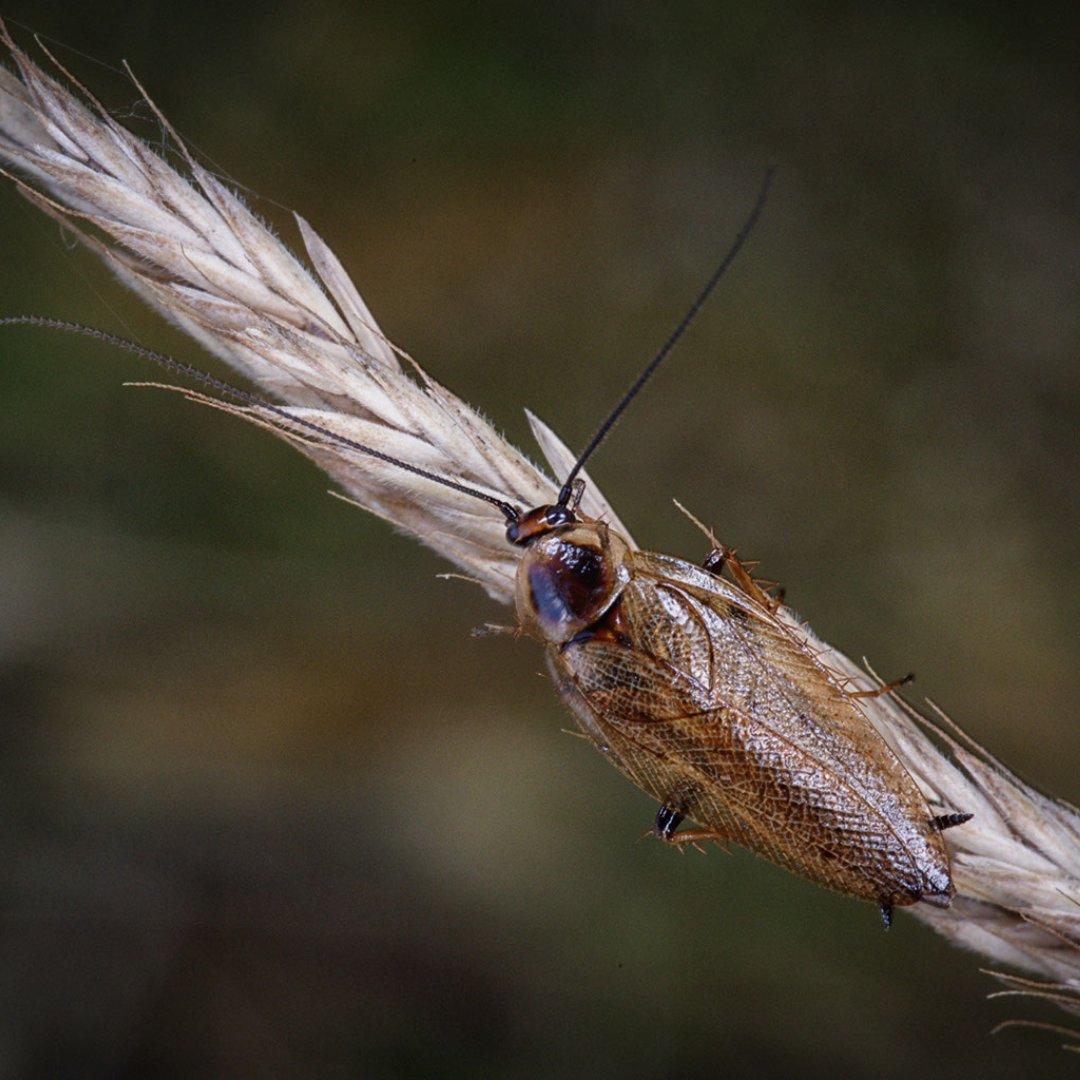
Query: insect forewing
{"x":721,"y":711}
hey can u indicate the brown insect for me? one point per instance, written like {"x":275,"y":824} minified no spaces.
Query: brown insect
{"x":698,"y":690}
{"x":701,"y":688}
{"x":720,"y":710}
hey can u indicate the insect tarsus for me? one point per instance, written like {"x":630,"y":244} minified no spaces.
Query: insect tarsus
{"x":941,"y":822}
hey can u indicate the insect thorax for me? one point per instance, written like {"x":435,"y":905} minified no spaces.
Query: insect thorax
{"x":568,"y":578}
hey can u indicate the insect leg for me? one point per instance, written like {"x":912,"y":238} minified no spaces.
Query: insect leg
{"x":886,"y":915}
{"x":742,"y":574}
{"x":694,"y":837}
{"x":491,"y":629}
{"x":668,"y":819}
{"x":888,"y":688}
{"x":940,"y":822}
{"x":715,"y":560}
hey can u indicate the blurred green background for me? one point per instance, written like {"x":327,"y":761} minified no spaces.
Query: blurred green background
{"x":267,"y":808}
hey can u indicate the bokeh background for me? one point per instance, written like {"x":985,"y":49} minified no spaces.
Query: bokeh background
{"x":266,"y":807}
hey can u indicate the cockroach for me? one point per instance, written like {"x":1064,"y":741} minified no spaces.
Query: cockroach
{"x":699,"y":685}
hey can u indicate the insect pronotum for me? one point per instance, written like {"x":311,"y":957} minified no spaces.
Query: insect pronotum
{"x":695,"y":683}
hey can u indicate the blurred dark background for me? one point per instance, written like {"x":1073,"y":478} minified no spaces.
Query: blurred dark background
{"x":266,"y":807}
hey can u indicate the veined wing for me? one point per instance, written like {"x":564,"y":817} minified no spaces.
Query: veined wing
{"x":717,"y":709}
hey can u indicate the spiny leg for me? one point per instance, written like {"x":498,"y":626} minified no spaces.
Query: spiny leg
{"x":886,"y":915}
{"x":742,"y":574}
{"x":887,"y":688}
{"x":668,"y":819}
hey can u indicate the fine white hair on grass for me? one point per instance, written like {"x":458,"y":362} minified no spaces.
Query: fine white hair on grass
{"x":190,"y":247}
{"x":195,"y":252}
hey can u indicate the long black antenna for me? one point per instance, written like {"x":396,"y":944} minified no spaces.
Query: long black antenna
{"x":510,"y":512}
{"x":604,"y":429}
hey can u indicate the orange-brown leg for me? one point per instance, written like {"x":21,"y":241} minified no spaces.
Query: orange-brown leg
{"x":888,"y":688}
{"x":668,"y":819}
{"x":742,"y":575}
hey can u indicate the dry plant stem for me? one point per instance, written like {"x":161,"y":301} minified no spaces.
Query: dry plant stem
{"x":192,"y":249}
